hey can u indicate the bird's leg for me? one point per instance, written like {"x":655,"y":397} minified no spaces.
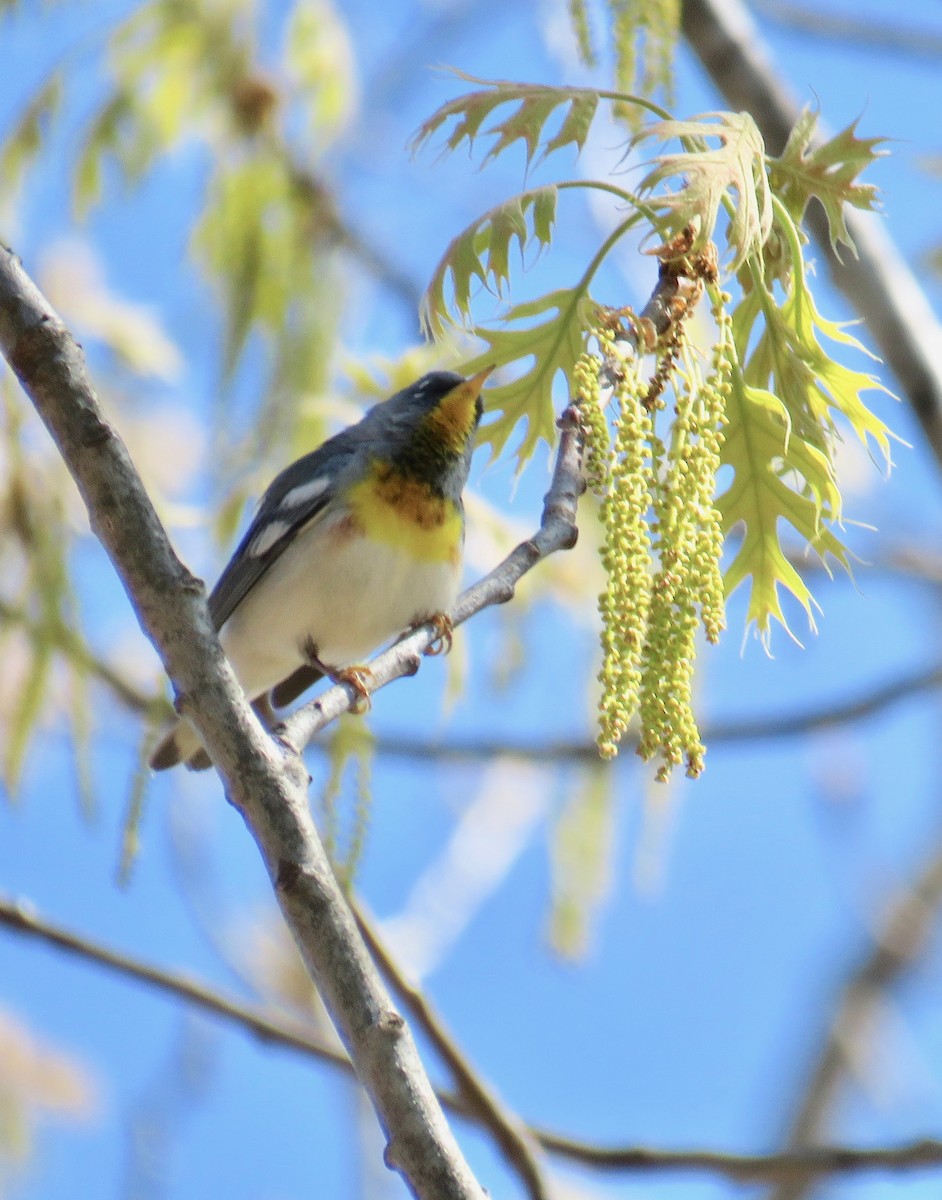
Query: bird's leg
{"x":444,"y":633}
{"x":359,"y":678}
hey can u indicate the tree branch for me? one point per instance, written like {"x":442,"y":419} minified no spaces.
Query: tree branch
{"x":263,"y":781}
{"x":877,"y":281}
{"x":743,"y":1168}
{"x":904,"y":933}
{"x":806,"y":1164}
{"x":481,"y":1104}
{"x":853,"y":29}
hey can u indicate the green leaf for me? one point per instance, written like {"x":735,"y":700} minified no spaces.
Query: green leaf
{"x":812,"y":384}
{"x":735,"y":170}
{"x":535,"y":103}
{"x":25,"y":717}
{"x":783,"y":415}
{"x":24,"y":141}
{"x":827,"y":170}
{"x":759,"y":448}
{"x":554,"y":345}
{"x":482,"y":251}
{"x":582,"y":849}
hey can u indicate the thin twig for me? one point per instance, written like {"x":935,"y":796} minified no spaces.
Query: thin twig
{"x":515,"y":1140}
{"x":925,"y":1153}
{"x":734,"y":731}
{"x":812,"y":1163}
{"x":22,"y":918}
{"x":902,"y":938}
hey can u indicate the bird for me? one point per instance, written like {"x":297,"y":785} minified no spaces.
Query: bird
{"x":352,"y":544}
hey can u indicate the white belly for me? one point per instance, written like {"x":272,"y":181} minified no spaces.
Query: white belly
{"x":372,"y":592}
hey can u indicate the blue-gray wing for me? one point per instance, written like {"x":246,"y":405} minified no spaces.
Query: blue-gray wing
{"x":294,"y":499}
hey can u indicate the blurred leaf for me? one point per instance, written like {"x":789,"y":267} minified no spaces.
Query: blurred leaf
{"x":645,"y":35}
{"x":579,"y":17}
{"x":351,"y":742}
{"x":26,"y":714}
{"x":137,"y":795}
{"x":37,"y":1080}
{"x":582,"y":853}
{"x":319,"y":58}
{"x":24,"y":141}
{"x":245,"y":238}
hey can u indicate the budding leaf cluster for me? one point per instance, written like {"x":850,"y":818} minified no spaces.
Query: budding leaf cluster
{"x":770,"y":407}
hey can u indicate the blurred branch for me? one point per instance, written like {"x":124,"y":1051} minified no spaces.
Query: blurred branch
{"x":743,"y":1168}
{"x":768,"y":727}
{"x":877,"y":282}
{"x":851,"y":28}
{"x":355,"y":243}
{"x":515,"y":1140}
{"x":22,"y":918}
{"x":267,"y":784}
{"x":901,"y":939}
{"x":807,"y":1164}
{"x":70,"y":644}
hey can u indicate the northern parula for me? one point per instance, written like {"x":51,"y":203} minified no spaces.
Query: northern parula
{"x":350,"y":545}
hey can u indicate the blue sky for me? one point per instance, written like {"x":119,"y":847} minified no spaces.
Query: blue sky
{"x":737,"y":904}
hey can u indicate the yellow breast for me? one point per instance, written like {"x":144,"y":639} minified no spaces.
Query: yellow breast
{"x":393,"y":509}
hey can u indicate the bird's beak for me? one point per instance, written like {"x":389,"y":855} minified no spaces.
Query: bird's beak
{"x":476,"y":382}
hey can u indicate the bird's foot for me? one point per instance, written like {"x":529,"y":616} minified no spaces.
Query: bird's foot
{"x":360,"y":679}
{"x":444,"y":633}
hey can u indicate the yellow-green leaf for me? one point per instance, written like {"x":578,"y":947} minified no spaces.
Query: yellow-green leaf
{"x":554,"y":344}
{"x":828,"y":170}
{"x":735,"y":169}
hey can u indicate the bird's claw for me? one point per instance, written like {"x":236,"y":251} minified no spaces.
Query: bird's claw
{"x":360,"y":679}
{"x":444,"y":634}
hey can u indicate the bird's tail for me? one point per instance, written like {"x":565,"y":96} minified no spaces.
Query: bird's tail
{"x":180,"y":745}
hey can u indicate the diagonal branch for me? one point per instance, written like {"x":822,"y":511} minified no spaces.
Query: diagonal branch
{"x":515,"y":1140}
{"x":804,"y":1164}
{"x":267,"y":784}
{"x":903,"y":936}
{"x":877,"y":281}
